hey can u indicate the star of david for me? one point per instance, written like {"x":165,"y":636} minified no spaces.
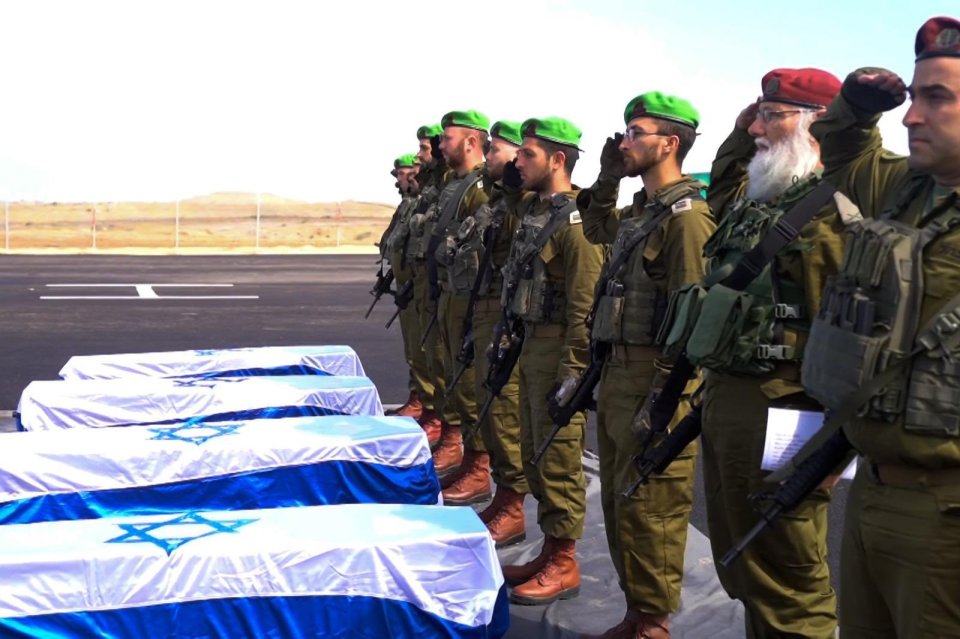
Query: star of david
{"x":207,"y":381}
{"x":194,"y":432}
{"x":142,"y":533}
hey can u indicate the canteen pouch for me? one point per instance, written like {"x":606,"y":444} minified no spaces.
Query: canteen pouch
{"x":722,"y":314}
{"x":681,"y":316}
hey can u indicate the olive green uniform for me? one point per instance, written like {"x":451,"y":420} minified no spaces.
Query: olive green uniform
{"x":647,"y":532}
{"x":455,"y":284}
{"x":554,"y":304}
{"x":900,"y":570}
{"x":394,"y":247}
{"x":421,"y":225}
{"x":782,"y":578}
{"x":501,"y":429}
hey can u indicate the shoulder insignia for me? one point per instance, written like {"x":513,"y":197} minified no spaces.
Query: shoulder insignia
{"x":479,"y":184}
{"x":849,"y":213}
{"x":682,"y":205}
{"x":575,"y":218}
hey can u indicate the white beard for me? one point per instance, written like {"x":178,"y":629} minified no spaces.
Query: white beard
{"x":774,"y":169}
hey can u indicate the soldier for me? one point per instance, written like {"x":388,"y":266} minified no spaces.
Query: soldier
{"x":393,"y":248}
{"x":463,"y":143}
{"x":900,"y":563}
{"x":481,"y":257}
{"x":552,"y":270}
{"x":431,"y":176}
{"x":750,"y":343}
{"x":657,"y":248}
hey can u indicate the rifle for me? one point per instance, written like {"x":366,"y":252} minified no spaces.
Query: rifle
{"x":809,"y":474}
{"x":381,"y":286}
{"x":401,"y":298}
{"x":749,"y":268}
{"x":656,"y":459}
{"x":574,"y":398}
{"x":430,"y":324}
{"x":507,"y":344}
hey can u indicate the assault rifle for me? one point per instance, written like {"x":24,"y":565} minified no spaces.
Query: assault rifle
{"x":381,"y":286}
{"x":656,"y":459}
{"x":809,"y":474}
{"x":402,"y":299}
{"x":504,"y":353}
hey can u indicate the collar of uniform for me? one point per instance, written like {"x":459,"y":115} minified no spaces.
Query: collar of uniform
{"x":665,"y":195}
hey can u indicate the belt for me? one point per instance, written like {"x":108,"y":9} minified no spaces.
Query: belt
{"x":912,"y":477}
{"x":488,"y":304}
{"x":545,"y":330}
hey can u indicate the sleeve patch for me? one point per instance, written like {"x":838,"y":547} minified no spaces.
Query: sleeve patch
{"x":849,"y":212}
{"x":680,"y":206}
{"x":575,"y":218}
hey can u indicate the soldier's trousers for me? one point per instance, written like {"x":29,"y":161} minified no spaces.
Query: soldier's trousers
{"x":416,"y":358}
{"x":462,"y":399}
{"x":900,"y":563}
{"x":646,"y":533}
{"x":501,"y":429}
{"x":557,"y":482}
{"x":782,"y":578}
{"x":433,"y":352}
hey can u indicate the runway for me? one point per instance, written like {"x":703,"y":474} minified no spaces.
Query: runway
{"x":54,"y":307}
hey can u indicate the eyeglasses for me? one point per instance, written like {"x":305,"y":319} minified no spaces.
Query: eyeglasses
{"x":769,"y":115}
{"x":632,"y":133}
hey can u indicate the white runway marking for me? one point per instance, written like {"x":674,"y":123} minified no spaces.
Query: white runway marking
{"x":145,"y":292}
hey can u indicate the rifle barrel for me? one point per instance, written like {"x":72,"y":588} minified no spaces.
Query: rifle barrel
{"x":545,"y":444}
{"x":372,"y":304}
{"x":393,"y":317}
{"x":426,"y":333}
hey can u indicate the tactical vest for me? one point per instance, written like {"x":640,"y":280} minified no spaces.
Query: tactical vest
{"x":536,"y":297}
{"x":739,"y":331}
{"x":451,"y":233}
{"x":421,"y":222}
{"x":627,"y":306}
{"x":467,"y":248}
{"x":869,"y":321}
{"x":396,"y":242}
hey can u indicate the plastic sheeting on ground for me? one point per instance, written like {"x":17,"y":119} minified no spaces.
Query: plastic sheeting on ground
{"x":298,"y":461}
{"x":230,"y":362}
{"x":142,"y":401}
{"x":360,"y":570}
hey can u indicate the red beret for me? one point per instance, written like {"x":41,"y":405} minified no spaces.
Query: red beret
{"x":812,"y":88}
{"x":938,"y":37}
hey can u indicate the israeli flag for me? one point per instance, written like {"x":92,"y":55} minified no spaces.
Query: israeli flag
{"x":229,"y":362}
{"x":361,"y":570}
{"x":150,"y":401}
{"x":268,"y":463}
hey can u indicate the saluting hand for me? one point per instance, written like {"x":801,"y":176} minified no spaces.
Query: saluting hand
{"x":874,"y":90}
{"x":611,"y":159}
{"x":511,"y":175}
{"x":748,"y":115}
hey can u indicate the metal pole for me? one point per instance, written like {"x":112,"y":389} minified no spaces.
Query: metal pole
{"x":258,"y":222}
{"x":176,"y":229}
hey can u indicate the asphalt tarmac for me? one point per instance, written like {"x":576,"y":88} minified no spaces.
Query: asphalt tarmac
{"x":117,"y":304}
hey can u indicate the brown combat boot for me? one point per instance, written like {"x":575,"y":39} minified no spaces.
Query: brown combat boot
{"x":449,"y":454}
{"x":558,"y":579}
{"x":637,"y":625}
{"x":508,"y":526}
{"x":413,"y":407}
{"x":430,"y":423}
{"x":516,"y":575}
{"x":473,"y":486}
{"x":487,"y":514}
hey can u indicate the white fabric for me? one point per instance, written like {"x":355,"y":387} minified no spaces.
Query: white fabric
{"x":334,"y":360}
{"x":50,"y":462}
{"x":440,"y":559}
{"x":145,"y":400}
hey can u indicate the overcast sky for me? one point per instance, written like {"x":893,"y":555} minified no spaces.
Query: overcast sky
{"x":133,"y":100}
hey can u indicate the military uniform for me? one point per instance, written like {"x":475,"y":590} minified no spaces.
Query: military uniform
{"x":900,"y":570}
{"x":749,"y":342}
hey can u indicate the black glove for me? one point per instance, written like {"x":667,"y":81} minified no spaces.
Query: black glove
{"x":435,"y":152}
{"x":511,"y":176}
{"x":611,"y":159}
{"x":871,"y":98}
{"x":552,"y":406}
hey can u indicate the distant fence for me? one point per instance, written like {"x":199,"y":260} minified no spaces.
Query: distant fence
{"x":211,"y":223}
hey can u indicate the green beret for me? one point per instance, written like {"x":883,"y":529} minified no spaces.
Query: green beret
{"x":429,"y":131}
{"x":469,"y":119}
{"x":553,"y":129}
{"x":665,"y":107}
{"x":508,"y":131}
{"x":406,"y":161}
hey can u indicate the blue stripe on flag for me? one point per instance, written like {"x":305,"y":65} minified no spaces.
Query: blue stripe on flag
{"x":293,"y":369}
{"x":324,"y":483}
{"x":263,"y":618}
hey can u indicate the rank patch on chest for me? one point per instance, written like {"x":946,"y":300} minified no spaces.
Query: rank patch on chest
{"x":680,"y":206}
{"x":575,"y":217}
